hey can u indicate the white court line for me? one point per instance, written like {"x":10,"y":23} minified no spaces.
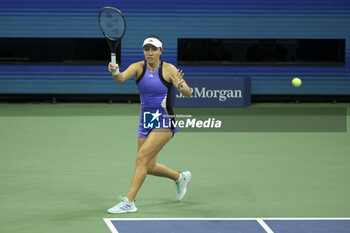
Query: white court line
{"x":307,"y":219}
{"x":110,"y":225}
{"x":228,"y":219}
{"x":264,"y":225}
{"x":169,"y":219}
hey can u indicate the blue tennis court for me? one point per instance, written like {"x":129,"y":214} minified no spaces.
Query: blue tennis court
{"x":227,"y":225}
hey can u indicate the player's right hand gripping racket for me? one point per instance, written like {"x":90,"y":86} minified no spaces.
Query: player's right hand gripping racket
{"x":112,"y":24}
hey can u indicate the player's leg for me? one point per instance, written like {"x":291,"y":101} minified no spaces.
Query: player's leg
{"x":158,"y":169}
{"x":140,"y":142}
{"x":149,"y":149}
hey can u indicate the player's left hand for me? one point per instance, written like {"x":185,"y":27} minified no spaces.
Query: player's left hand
{"x":178,"y":79}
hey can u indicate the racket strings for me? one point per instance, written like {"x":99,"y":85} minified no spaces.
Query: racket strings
{"x":112,"y":23}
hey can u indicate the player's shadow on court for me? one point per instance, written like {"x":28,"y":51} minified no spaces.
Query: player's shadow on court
{"x":167,"y":203}
{"x":161,"y":207}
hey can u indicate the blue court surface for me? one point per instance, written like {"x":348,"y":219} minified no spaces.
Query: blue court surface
{"x":228,"y":225}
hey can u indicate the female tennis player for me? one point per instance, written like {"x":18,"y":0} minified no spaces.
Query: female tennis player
{"x":154,"y":79}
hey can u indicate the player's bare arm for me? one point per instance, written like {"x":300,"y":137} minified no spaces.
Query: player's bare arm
{"x":134,"y":70}
{"x":175,"y":76}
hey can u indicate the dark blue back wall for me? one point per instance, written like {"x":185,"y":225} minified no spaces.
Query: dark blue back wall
{"x":171,"y":20}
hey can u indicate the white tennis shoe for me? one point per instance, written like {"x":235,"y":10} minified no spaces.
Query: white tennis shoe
{"x":124,"y":206}
{"x":181,"y":184}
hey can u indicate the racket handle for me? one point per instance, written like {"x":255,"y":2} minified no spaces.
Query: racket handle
{"x":113,"y":59}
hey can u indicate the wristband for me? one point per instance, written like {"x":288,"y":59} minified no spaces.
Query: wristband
{"x":116,"y":72}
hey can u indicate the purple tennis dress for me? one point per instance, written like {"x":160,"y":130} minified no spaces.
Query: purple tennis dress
{"x":156,"y":109}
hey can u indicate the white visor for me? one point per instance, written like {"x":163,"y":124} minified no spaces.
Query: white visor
{"x":153,"y":41}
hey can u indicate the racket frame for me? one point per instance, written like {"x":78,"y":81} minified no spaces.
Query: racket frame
{"x":112,"y":42}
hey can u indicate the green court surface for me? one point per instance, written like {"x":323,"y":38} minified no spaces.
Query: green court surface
{"x":63,"y":165}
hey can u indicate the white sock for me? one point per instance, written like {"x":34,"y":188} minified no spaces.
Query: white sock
{"x":180,"y":176}
{"x":127,"y":199}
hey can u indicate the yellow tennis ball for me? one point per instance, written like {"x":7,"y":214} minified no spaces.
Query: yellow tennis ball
{"x":296,"y":82}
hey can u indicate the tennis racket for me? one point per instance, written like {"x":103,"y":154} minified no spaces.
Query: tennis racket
{"x":112,"y":24}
